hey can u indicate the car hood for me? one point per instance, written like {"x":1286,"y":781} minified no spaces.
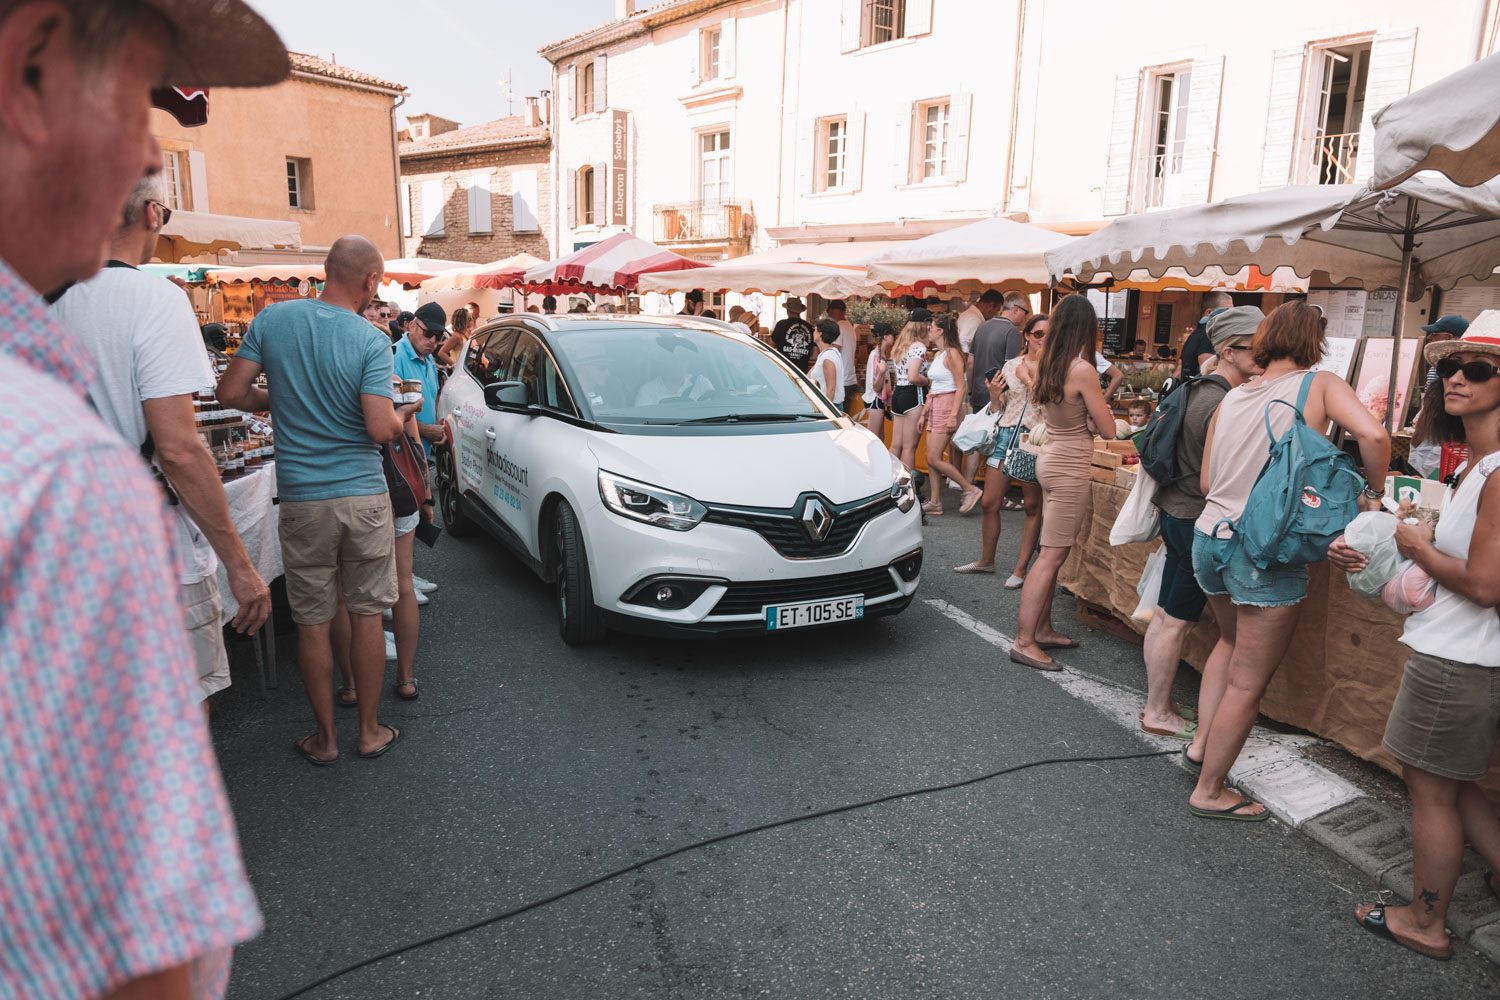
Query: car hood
{"x":752,"y":470}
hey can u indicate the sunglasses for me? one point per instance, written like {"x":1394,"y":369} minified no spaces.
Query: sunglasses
{"x":1240,"y":347}
{"x":1474,"y":371}
{"x":166,"y":213}
{"x":430,"y":334}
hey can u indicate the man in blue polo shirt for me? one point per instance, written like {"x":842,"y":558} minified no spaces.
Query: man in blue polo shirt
{"x":413,"y":361}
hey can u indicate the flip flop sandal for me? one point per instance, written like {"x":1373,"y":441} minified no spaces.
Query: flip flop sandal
{"x":1196,"y":766}
{"x":339,"y":698}
{"x":415,"y":693}
{"x":395,"y":738}
{"x":300,"y":746}
{"x":1232,"y":813}
{"x":1190,"y":714}
{"x":1374,"y":922}
{"x":1187,"y":732}
{"x":1055,"y":644}
{"x":1034,"y":664}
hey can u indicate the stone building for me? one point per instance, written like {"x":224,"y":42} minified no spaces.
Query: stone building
{"x":318,"y":149}
{"x":478,"y":193}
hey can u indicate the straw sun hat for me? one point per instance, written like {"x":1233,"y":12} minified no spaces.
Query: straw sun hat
{"x":1482,"y":337}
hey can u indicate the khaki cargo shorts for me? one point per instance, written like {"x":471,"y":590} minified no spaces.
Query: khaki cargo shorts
{"x":344,"y":545}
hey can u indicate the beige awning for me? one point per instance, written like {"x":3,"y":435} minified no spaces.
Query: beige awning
{"x":190,"y":234}
{"x":1452,"y":126}
{"x":408,"y":271}
{"x":832,"y":270}
{"x":992,"y":253}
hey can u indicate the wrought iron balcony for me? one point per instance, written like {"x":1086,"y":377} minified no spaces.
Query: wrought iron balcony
{"x":702,"y":222}
{"x":1332,"y":158}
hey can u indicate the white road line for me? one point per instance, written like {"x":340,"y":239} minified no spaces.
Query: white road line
{"x":1271,"y":767}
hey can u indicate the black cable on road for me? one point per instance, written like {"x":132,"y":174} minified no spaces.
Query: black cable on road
{"x":720,"y":839}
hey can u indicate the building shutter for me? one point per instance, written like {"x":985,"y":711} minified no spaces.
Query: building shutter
{"x":432,"y":209}
{"x":523,"y":213}
{"x":1390,"y":80}
{"x":601,"y":194}
{"x":198,"y":179}
{"x":854,"y":150}
{"x":479,"y":204}
{"x":809,"y":154}
{"x":850,"y":28}
{"x":601,"y":92}
{"x":571,"y":186}
{"x":727,"y":35}
{"x":1202,"y":131}
{"x":959,"y":112}
{"x":695,"y":57}
{"x":573,"y":91}
{"x":1122,"y":127}
{"x":901,"y":147}
{"x":405,"y":209}
{"x":1281,"y":118}
{"x":918,"y":18}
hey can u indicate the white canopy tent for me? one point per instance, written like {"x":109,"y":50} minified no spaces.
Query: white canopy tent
{"x":190,"y":234}
{"x":1422,"y":232}
{"x":832,"y":270}
{"x":1452,"y":126}
{"x":991,"y":253}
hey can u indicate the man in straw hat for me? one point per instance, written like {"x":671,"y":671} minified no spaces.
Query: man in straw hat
{"x":122,"y":873}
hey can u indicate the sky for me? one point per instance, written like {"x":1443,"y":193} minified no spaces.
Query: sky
{"x":451,"y":54}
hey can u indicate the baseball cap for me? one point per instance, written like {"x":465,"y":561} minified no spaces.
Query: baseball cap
{"x":1226,"y":325}
{"x":1453,"y":324}
{"x":220,"y":44}
{"x":432,"y":317}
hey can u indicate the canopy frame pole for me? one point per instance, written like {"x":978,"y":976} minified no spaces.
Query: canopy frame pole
{"x":1398,"y":326}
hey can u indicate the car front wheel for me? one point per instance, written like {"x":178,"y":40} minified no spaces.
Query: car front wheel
{"x":455,"y":520}
{"x":578,"y":618}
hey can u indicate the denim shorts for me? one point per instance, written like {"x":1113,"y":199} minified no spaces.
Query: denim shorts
{"x":1244,"y":582}
{"x":1180,"y":596}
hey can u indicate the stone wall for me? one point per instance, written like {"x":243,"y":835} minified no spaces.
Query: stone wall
{"x":455,"y":171}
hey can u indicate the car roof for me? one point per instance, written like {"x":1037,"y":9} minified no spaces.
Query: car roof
{"x":564,"y":323}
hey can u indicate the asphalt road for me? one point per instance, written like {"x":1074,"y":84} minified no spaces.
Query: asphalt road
{"x":529,"y":767}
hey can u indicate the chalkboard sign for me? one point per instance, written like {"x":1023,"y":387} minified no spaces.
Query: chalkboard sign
{"x":1116,"y":320}
{"x":1163,"y":335}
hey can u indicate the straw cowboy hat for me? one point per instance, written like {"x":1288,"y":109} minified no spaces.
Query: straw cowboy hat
{"x":1482,"y":337}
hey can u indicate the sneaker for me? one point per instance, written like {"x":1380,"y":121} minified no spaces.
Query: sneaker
{"x":421,"y":585}
{"x":390,"y":646}
{"x":421,"y":599}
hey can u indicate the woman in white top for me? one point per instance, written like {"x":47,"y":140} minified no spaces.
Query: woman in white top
{"x":877,"y":377}
{"x":1446,"y":716}
{"x":907,"y":399}
{"x":1010,"y":395}
{"x":944,"y":373}
{"x":828,"y":369}
{"x":1257,"y":609}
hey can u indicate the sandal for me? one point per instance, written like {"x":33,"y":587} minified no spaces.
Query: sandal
{"x":346,"y":702}
{"x":1187,"y":732}
{"x":300,"y":746}
{"x":395,"y":738}
{"x":1196,"y":766}
{"x":1373,"y":920}
{"x":1232,"y":813}
{"x":396,"y":690}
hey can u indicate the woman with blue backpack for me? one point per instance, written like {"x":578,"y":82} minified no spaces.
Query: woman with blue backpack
{"x":1277,"y":495}
{"x":1444,"y":722}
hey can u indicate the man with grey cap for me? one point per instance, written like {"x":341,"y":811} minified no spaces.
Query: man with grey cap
{"x":1181,"y":601}
{"x":122,"y":873}
{"x":793,"y":337}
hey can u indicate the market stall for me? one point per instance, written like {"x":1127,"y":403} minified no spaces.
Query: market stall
{"x":992,"y":253}
{"x":192,"y":234}
{"x":830,"y":270}
{"x":612,"y":265}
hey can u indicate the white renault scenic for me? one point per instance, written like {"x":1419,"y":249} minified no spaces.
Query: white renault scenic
{"x":673,"y":476}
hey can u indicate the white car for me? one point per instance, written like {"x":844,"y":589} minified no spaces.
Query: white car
{"x":672,"y":476}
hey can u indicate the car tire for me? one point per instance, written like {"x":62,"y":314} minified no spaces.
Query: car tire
{"x":578,"y":618}
{"x":450,"y":501}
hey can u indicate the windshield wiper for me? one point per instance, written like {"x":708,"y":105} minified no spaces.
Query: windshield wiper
{"x":749,"y":418}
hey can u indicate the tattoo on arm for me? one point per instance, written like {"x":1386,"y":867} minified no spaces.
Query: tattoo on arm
{"x":1429,"y":897}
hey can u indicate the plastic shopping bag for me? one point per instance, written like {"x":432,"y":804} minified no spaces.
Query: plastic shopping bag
{"x":1149,"y":589}
{"x":1138,"y":520}
{"x":978,"y":432}
{"x":1373,"y":533}
{"x":1410,"y":590}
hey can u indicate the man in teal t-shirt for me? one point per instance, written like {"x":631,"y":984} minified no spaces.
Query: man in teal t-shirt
{"x":413,"y":360}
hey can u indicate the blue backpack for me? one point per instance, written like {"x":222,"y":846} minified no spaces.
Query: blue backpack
{"x":1304,"y":497}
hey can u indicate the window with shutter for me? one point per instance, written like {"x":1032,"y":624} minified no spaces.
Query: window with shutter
{"x":523,"y":204}
{"x":854,"y":159}
{"x":570,"y":188}
{"x":1391,"y":57}
{"x":832,"y":167}
{"x":479,"y":204}
{"x":1201,"y":141}
{"x":587,"y":183}
{"x":601,"y":85}
{"x":1157,"y":170}
{"x":197,"y":181}
{"x":957,"y":167}
{"x":1328,"y":146}
{"x":1122,"y":128}
{"x":1281,"y":118}
{"x":728,"y":31}
{"x":600,"y":174}
{"x":433,"y":223}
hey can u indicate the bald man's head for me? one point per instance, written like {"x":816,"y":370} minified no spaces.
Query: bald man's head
{"x":353,"y":271}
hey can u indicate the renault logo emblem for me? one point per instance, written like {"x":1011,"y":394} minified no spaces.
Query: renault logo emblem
{"x":817,"y":520}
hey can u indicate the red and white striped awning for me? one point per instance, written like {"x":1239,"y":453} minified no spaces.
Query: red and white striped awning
{"x":612,"y":264}
{"x":495,"y":274}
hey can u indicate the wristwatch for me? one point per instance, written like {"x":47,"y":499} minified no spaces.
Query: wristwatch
{"x":1372,"y":494}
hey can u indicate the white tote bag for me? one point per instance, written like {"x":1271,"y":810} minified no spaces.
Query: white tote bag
{"x":1149,"y":589}
{"x":1138,"y":520}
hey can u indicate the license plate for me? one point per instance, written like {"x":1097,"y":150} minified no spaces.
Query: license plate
{"x":825,"y":612}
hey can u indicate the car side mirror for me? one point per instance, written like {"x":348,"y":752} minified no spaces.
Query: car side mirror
{"x":506,"y":396}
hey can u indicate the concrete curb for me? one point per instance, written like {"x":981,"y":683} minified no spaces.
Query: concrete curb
{"x":1371,"y":836}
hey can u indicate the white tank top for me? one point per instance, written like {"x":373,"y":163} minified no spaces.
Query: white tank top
{"x":940,"y":376}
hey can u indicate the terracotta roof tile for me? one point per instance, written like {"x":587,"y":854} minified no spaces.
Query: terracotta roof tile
{"x":509,"y":131}
{"x":304,"y":63}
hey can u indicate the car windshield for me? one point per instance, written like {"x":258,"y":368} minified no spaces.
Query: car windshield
{"x":664,"y":375}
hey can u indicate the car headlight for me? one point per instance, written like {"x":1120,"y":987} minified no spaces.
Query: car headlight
{"x":651,"y":504}
{"x":903,"y":490}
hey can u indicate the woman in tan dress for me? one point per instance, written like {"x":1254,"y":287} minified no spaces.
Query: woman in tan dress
{"x":1073,"y":406}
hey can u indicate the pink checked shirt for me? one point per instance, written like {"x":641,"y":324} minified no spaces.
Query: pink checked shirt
{"x":118,"y":855}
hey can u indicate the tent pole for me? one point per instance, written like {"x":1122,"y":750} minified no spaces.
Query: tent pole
{"x":1398,"y":327}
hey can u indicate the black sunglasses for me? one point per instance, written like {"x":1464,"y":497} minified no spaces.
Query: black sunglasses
{"x":1474,"y":371}
{"x":166,"y":213}
{"x":431,"y":334}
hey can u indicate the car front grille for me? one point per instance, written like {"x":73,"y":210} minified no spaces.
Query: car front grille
{"x":783,"y":528}
{"x":749,"y":598}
